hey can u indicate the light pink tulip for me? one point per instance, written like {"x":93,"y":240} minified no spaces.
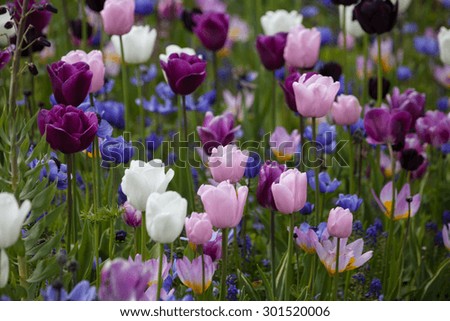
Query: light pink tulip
{"x":290,"y":192}
{"x":198,"y":228}
{"x":302,"y":47}
{"x":95,"y":61}
{"x":340,"y":222}
{"x":346,"y":110}
{"x":314,"y":96}
{"x":224,"y":205}
{"x":118,"y":16}
{"x":227,"y":163}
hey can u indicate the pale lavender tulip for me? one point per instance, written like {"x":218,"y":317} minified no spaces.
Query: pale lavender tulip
{"x":290,"y":191}
{"x":227,"y":163}
{"x":302,"y":47}
{"x":346,"y":110}
{"x":191,"y":273}
{"x":198,"y":228}
{"x":340,"y":222}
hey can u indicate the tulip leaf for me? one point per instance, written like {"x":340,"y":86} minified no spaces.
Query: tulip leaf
{"x":248,"y":285}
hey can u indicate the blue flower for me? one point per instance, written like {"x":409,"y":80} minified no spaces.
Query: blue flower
{"x":357,"y":227}
{"x":326,"y":137}
{"x":56,"y":172}
{"x":116,"y":151}
{"x":232,"y":291}
{"x":113,"y":112}
{"x":144,"y":7}
{"x":374,"y":288}
{"x":309,"y":11}
{"x":83,"y":291}
{"x":147,"y":75}
{"x":445,"y":148}
{"x":373,"y":231}
{"x":442,"y":104}
{"x":121,"y":197}
{"x":426,"y":45}
{"x":152,"y":143}
{"x":121,"y":235}
{"x":359,"y":277}
{"x":279,"y":74}
{"x":446,"y":217}
{"x":327,"y":36}
{"x":358,"y":127}
{"x":203,"y":104}
{"x":253,"y":165}
{"x":307,"y":209}
{"x":410,"y":28}
{"x":162,"y":102}
{"x":352,"y":202}
{"x":326,"y":185}
{"x":107,"y":87}
{"x":403,"y":73}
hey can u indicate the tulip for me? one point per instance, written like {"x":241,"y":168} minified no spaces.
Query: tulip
{"x":253,"y":165}
{"x":376,"y":16}
{"x":185,"y":73}
{"x":213,"y":247}
{"x":67,"y":129}
{"x":153,"y":266}
{"x":433,"y":128}
{"x":70,"y":82}
{"x":95,"y":61}
{"x":270,"y":172}
{"x":76,"y":32}
{"x":165,"y":215}
{"x":351,"y":26}
{"x":446,"y":236}
{"x":386,"y":127}
{"x":403,"y":5}
{"x":270,"y":50}
{"x":7,"y":26}
{"x":138,"y":44}
{"x":212,"y":29}
{"x":350,"y":202}
{"x":116,"y":150}
{"x":346,"y":110}
{"x":170,"y":9}
{"x":131,"y":216}
{"x":410,"y":159}
{"x":227,"y":163}
{"x":410,"y":101}
{"x":283,"y":145}
{"x":302,"y":47}
{"x":39,"y":19}
{"x":345,"y":2}
{"x":289,"y":193}
{"x":277,"y":21}
{"x":191,"y":273}
{"x":95,"y":5}
{"x":307,"y":236}
{"x":223,"y":203}
{"x":118,"y":16}
{"x":216,"y":131}
{"x":288,"y":90}
{"x":385,"y":86}
{"x":444,"y":45}
{"x":5,"y":57}
{"x":331,"y":69}
{"x":198,"y":228}
{"x":401,"y":203}
{"x":340,"y":222}
{"x":314,"y":96}
{"x":171,"y":49}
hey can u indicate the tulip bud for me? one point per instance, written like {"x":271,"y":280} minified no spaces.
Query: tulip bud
{"x":118,"y":16}
{"x":376,"y":16}
{"x":444,"y":45}
{"x":346,"y":110}
{"x":198,"y":228}
{"x":340,"y":222}
{"x":277,"y":21}
{"x":131,"y":216}
{"x":302,"y":47}
{"x":138,"y":44}
{"x":290,"y":192}
{"x":373,"y":87}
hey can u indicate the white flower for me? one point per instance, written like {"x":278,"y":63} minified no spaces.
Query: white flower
{"x":165,"y":214}
{"x":143,"y":179}
{"x":138,"y":44}
{"x":170,"y":49}
{"x":352,"y":26}
{"x":7,"y":26}
{"x":444,"y":45}
{"x":273,"y":22}
{"x":11,"y":219}
{"x":4,"y":268}
{"x":403,"y":5}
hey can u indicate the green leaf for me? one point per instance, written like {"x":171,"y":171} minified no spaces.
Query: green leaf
{"x":249,"y":286}
{"x":45,"y":269}
{"x":266,"y":283}
{"x":85,"y":255}
{"x":43,"y":199}
{"x":44,"y":249}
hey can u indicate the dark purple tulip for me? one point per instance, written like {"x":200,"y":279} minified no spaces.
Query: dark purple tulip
{"x":187,"y":16}
{"x":270,"y":173}
{"x":434,"y":128}
{"x":70,"y":82}
{"x":331,"y":69}
{"x":39,"y":18}
{"x":376,"y":16}
{"x":271,"y":50}
{"x":411,"y":101}
{"x":384,"y":126}
{"x":410,"y":159}
{"x":373,"y":87}
{"x":68,"y":129}
{"x":289,"y":96}
{"x":185,"y":73}
{"x":96,"y":5}
{"x":5,"y":57}
{"x":76,"y":30}
{"x":344,"y":2}
{"x":212,"y":29}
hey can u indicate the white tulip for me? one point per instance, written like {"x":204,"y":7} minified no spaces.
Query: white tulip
{"x":11,"y":219}
{"x":7,"y":26}
{"x":143,"y":179}
{"x":444,"y":45}
{"x":403,"y":5}
{"x":165,"y":214}
{"x":170,"y":49}
{"x":4,"y":268}
{"x":273,"y":22}
{"x":352,"y":26}
{"x":138,"y":44}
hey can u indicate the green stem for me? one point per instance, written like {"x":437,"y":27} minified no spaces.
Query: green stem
{"x":223,"y":285}
{"x":274,"y":111}
{"x":272,"y":251}
{"x":141,"y":107}
{"x":316,"y":172}
{"x":366,"y":58}
{"x":289,"y":259}
{"x":160,"y":266}
{"x":69,"y":161}
{"x":83,"y":26}
{"x":344,"y":32}
{"x":143,"y":236}
{"x":336,"y":275}
{"x":96,"y":254}
{"x":380,"y":74}
{"x":352,"y":162}
{"x":112,"y":236}
{"x":125,"y":85}
{"x":185,"y":158}
{"x":302,"y":141}
{"x":136,"y":243}
{"x":23,"y":271}
{"x":216,"y":78}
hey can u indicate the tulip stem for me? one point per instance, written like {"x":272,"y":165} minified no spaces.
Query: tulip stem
{"x":336,"y":274}
{"x":124,"y":85}
{"x":83,"y":25}
{"x":96,"y":253}
{"x":289,"y":258}
{"x":344,"y":33}
{"x":274,"y":113}
{"x":216,"y":80}
{"x":302,"y":154}
{"x":380,"y":74}
{"x":351,"y":161}
{"x":200,"y":248}
{"x":316,"y":172}
{"x":223,"y":286}
{"x":366,"y":58}
{"x":141,"y":107}
{"x":160,"y":266}
{"x":272,"y":250}
{"x":143,"y":236}
{"x":69,"y":161}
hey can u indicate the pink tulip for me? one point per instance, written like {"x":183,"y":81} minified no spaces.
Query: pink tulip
{"x":118,"y":16}
{"x":346,"y":110}
{"x":340,"y":222}
{"x":290,"y":192}
{"x":198,"y":228}
{"x":227,"y":163}
{"x":314,"y":96}
{"x":224,"y":205}
{"x":302,"y":47}
{"x":95,"y":61}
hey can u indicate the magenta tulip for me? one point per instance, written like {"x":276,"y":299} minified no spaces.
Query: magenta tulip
{"x":212,"y":29}
{"x":340,"y":222}
{"x":290,"y":192}
{"x":95,"y":61}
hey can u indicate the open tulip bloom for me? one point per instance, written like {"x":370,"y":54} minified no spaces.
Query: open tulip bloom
{"x":401,"y":202}
{"x":191,"y":273}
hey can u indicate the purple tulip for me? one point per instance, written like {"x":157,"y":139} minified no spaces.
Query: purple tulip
{"x":213,"y":248}
{"x":212,"y":29}
{"x":70,"y":82}
{"x":185,"y":73}
{"x":270,"y":173}
{"x":288,"y":90}
{"x":5,"y":57}
{"x":411,"y":101}
{"x":271,"y":49}
{"x":68,"y":129}
{"x":131,"y":216}
{"x":39,"y":19}
{"x":385,"y":126}
{"x":216,"y":131}
{"x":376,"y":16}
{"x":434,"y":128}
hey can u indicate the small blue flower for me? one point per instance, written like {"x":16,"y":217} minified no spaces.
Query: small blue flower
{"x":446,"y":217}
{"x":326,"y":137}
{"x":445,"y":148}
{"x":307,"y":209}
{"x":253,"y":165}
{"x":107,"y":87}
{"x":357,"y":227}
{"x":121,"y":235}
{"x":442,"y":104}
{"x":326,"y":185}
{"x":351,"y":202}
{"x":83,"y":291}
{"x":404,"y":73}
{"x":203,"y":104}
{"x":148,"y":73}
{"x":309,"y":11}
{"x":162,"y":102}
{"x":374,"y":288}
{"x":56,"y":172}
{"x":113,"y":112}
{"x":426,"y":45}
{"x":144,"y":7}
{"x":327,"y":37}
{"x":410,"y":28}
{"x":121,"y":197}
{"x":358,"y":127}
{"x":359,"y":277}
{"x":279,"y":74}
{"x":116,"y":151}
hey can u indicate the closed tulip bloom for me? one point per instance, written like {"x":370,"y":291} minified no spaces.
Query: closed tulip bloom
{"x":289,"y":193}
{"x":212,"y":29}
{"x":118,"y":16}
{"x":95,"y":5}
{"x":373,"y":87}
{"x":346,"y":110}
{"x":270,"y":50}
{"x":352,"y":26}
{"x":302,"y":47}
{"x":68,"y":129}
{"x":340,"y":222}
{"x":95,"y":61}
{"x":376,"y":16}
{"x":191,"y":273}
{"x":131,"y":216}
{"x":288,"y":90}
{"x":283,"y":145}
{"x":185,"y":73}
{"x":277,"y":21}
{"x":143,"y":179}
{"x":444,"y":45}
{"x":434,"y":128}
{"x":7,"y":26}
{"x":384,"y":126}
{"x":314,"y":96}
{"x":138,"y":44}
{"x":71,"y":83}
{"x":227,"y":163}
{"x":223,"y":203}
{"x":165,"y":214}
{"x":270,"y":172}
{"x":410,"y":101}
{"x":216,"y":131}
{"x":198,"y":228}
